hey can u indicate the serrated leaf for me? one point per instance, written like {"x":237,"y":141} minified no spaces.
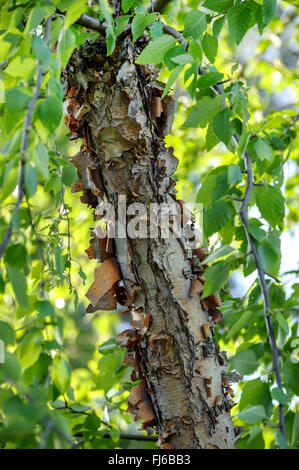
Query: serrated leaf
{"x":279,"y":395}
{"x":282,"y":323}
{"x":155,"y":51}
{"x":218,"y":5}
{"x":219,"y":253}
{"x":203,"y":111}
{"x":19,"y":285}
{"x":209,"y":79}
{"x":74,"y":12}
{"x":270,"y":203}
{"x":7,"y":333}
{"x":66,"y":45}
{"x":215,"y":217}
{"x":269,"y":9}
{"x":222,"y":126}
{"x":69,"y":174}
{"x":210,"y":47}
{"x":127,"y":4}
{"x":61,"y":374}
{"x":291,"y":373}
{"x":269,"y":256}
{"x":50,"y":113}
{"x":253,"y":415}
{"x":234,"y":174}
{"x":195,"y":24}
{"x":140,"y":22}
{"x":108,"y":346}
{"x":245,"y":362}
{"x":263,"y":150}
{"x":239,"y":19}
{"x":215,"y":276}
{"x":172,"y":78}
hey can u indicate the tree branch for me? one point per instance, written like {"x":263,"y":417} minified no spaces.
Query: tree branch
{"x":24,"y":143}
{"x":262,"y":281}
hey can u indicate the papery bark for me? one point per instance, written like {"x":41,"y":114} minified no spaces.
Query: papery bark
{"x":116,"y":107}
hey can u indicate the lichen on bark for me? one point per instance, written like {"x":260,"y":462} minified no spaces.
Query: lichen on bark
{"x":116,"y":107}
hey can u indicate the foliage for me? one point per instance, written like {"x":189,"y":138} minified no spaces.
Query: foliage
{"x":59,"y":385}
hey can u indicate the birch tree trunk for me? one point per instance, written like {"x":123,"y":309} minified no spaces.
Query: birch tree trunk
{"x":116,"y":107}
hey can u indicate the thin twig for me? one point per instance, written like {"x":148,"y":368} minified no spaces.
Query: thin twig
{"x":24,"y":143}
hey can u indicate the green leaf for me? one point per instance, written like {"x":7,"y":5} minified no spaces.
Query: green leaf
{"x":140,"y":22}
{"x":234,"y":174}
{"x":270,"y":203}
{"x":245,"y":362}
{"x":44,"y":308}
{"x":256,"y":392}
{"x":218,"y":5}
{"x":50,"y":113}
{"x":239,"y":19}
{"x":209,"y":79}
{"x":30,"y":179}
{"x":156,"y":50}
{"x":108,"y":346}
{"x":279,"y":396}
{"x":7,"y":333}
{"x":269,"y":256}
{"x":203,"y":112}
{"x":41,"y":159}
{"x":291,"y":373}
{"x":37,"y":15}
{"x":242,"y":322}
{"x":269,"y":9}
{"x":74,"y":12}
{"x":295,"y":429}
{"x":61,"y":374}
{"x":19,"y":285}
{"x":253,"y":415}
{"x":215,"y":276}
{"x":16,"y":256}
{"x":211,"y":139}
{"x":66,"y":45}
{"x":263,"y":150}
{"x":215,"y":217}
{"x":172,"y":78}
{"x":127,"y":4}
{"x":219,"y":253}
{"x":30,"y":348}
{"x":282,"y":322}
{"x":218,"y":25}
{"x":69,"y":174}
{"x":41,"y":51}
{"x":16,"y":99}
{"x":254,"y":230}
{"x":195,"y":24}
{"x":222,"y":126}
{"x":210,"y":47}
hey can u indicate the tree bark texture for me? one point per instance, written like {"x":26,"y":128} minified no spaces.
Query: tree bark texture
{"x":116,"y":107}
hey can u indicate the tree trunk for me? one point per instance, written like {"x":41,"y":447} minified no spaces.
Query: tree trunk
{"x":116,"y":107}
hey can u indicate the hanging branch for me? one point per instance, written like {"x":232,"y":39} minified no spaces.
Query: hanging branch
{"x":91,"y":23}
{"x":24,"y":143}
{"x":262,"y":281}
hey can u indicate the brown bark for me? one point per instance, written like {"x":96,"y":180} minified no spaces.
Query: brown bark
{"x":115,"y":106}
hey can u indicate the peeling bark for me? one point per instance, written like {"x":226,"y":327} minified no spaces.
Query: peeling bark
{"x":116,"y":107}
